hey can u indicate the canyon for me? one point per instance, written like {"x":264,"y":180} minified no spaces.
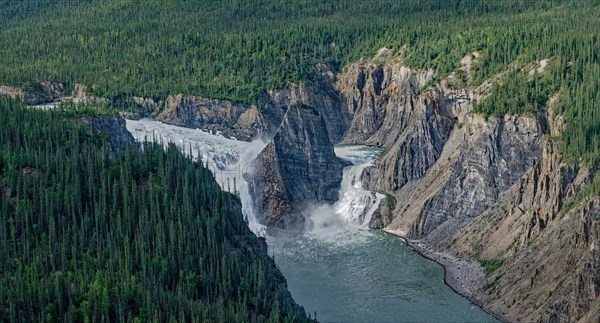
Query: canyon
{"x":458,"y":186}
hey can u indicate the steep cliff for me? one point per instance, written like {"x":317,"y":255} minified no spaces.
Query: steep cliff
{"x":321,"y":94}
{"x":111,"y":127}
{"x":247,"y":122}
{"x":464,"y":187}
{"x":232,"y":119}
{"x":296,"y":169}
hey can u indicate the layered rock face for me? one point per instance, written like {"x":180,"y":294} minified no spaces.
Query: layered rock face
{"x":550,"y":271}
{"x":382,"y":98}
{"x":480,"y":188}
{"x":298,"y":168}
{"x":321,"y":95}
{"x":247,"y":122}
{"x":237,"y":120}
{"x":443,"y":164}
{"x":551,"y":265}
{"x":295,"y":170}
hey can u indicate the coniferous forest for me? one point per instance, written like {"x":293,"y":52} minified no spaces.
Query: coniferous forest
{"x":93,"y":233}
{"x":90,"y":233}
{"x":236,"y":50}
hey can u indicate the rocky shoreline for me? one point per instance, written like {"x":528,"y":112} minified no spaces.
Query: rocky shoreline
{"x":464,"y":276}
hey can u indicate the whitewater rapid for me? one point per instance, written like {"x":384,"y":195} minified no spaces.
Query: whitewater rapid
{"x":355,"y":205}
{"x":227,"y":158}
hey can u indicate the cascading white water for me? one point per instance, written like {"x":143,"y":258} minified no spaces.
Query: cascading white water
{"x":228,"y":159}
{"x":356,"y":205}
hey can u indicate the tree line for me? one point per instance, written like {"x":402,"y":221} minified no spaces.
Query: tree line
{"x":89,"y":233}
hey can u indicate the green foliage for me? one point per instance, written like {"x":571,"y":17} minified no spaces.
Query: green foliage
{"x":236,"y":50}
{"x":92,"y":234}
{"x":518,"y":94}
{"x":491,"y":265}
{"x":302,"y":105}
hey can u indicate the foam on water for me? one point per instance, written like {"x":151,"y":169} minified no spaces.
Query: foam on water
{"x":227,"y":158}
{"x":353,"y":211}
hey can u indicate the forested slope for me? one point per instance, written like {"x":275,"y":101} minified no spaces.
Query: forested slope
{"x":237,"y":50}
{"x":92,"y":233}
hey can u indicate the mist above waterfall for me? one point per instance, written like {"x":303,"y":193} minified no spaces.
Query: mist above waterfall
{"x":355,"y":206}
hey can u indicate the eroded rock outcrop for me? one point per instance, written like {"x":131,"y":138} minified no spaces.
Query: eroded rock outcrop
{"x":481,"y":188}
{"x":35,"y":94}
{"x":80,"y":94}
{"x":382,"y":98}
{"x":111,"y":127}
{"x":297,"y":169}
{"x":321,"y":95}
{"x":548,"y":273}
{"x":232,"y":119}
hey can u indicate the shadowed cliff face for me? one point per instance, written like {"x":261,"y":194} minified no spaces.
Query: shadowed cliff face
{"x":112,"y":127}
{"x":296,"y":169}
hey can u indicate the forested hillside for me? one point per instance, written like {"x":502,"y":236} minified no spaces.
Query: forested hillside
{"x":86,"y":232}
{"x":89,"y":233}
{"x":237,"y":49}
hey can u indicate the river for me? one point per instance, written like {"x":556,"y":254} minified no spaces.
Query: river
{"x":338,"y":268}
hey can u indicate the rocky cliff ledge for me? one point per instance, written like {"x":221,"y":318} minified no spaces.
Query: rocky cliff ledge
{"x":232,"y":119}
{"x":480,"y":189}
{"x":112,"y":127}
{"x":297,"y":169}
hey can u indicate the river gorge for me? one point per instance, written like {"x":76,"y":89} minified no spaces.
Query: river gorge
{"x":337,"y":267}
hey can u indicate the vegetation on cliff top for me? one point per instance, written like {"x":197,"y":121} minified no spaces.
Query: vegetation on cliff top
{"x":92,"y":234}
{"x":237,"y":49}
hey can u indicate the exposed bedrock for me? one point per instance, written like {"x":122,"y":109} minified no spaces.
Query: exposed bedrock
{"x":232,"y":119}
{"x":296,"y":169}
{"x":483,"y":188}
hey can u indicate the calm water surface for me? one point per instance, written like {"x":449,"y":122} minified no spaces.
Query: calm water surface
{"x":360,"y":275}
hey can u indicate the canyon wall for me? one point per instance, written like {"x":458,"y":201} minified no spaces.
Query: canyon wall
{"x":480,"y":189}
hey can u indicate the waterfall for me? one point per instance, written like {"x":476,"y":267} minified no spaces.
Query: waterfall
{"x":356,"y":204}
{"x":228,"y":159}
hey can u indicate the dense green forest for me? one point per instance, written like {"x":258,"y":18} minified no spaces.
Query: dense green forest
{"x":230,"y":49}
{"x":90,"y":233}
{"x":236,"y":49}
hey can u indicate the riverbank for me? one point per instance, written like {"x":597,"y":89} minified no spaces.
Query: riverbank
{"x":464,"y":276}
